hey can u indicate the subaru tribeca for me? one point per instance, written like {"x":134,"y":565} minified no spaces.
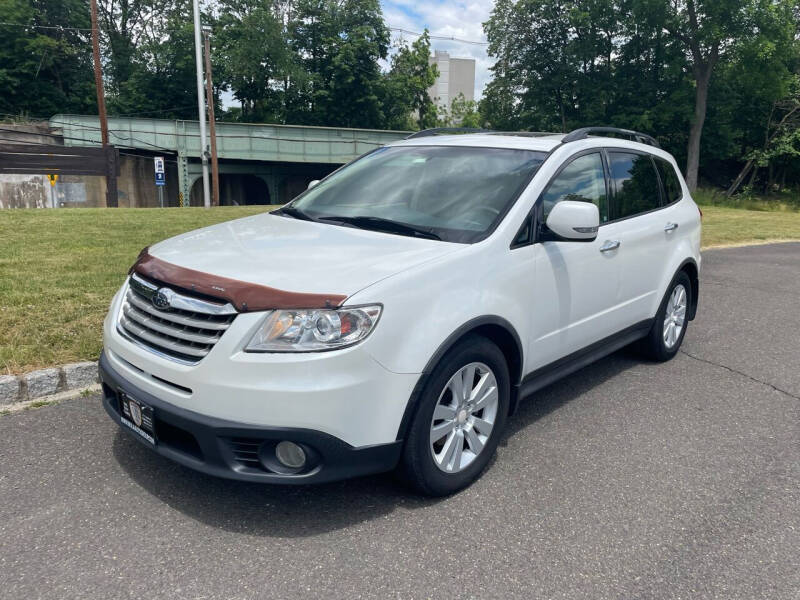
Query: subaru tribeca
{"x":392,"y":316}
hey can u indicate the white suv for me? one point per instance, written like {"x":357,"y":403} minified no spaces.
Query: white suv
{"x":394,"y":313}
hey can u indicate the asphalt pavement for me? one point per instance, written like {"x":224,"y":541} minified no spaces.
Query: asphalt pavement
{"x":627,"y":480}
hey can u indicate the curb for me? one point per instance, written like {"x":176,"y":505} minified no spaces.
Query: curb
{"x":10,"y":409}
{"x":44,"y":383}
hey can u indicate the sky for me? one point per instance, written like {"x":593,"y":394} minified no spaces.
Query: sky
{"x":461,"y":19}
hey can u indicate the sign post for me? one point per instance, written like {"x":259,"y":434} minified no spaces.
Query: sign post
{"x":158,"y":164}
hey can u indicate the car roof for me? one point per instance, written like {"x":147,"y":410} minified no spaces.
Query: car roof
{"x":532,"y":140}
{"x":542,"y":143}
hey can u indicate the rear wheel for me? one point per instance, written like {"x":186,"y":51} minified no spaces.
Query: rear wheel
{"x":459,"y":420}
{"x":669,"y":328}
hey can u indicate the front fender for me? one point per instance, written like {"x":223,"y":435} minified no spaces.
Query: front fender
{"x":427,"y":306}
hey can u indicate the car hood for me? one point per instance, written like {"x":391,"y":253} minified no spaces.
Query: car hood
{"x":298,"y":256}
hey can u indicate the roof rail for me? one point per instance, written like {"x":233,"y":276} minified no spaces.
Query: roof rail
{"x":441,"y":130}
{"x":584,"y":132}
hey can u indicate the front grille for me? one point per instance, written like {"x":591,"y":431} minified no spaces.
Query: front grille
{"x":185,"y":329}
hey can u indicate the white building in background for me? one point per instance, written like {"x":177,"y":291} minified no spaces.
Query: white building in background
{"x":456,"y":76}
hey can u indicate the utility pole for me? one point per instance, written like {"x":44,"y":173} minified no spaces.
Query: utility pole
{"x":198,"y":59}
{"x":111,"y":170}
{"x":212,"y":127}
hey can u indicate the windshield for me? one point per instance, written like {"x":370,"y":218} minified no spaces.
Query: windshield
{"x":456,"y":193}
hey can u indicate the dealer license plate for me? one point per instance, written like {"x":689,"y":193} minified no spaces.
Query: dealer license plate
{"x":138,"y":417}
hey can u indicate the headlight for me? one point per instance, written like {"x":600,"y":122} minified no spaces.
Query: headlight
{"x":312,"y":330}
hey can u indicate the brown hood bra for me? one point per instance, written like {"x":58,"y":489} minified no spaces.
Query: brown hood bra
{"x":245,"y":297}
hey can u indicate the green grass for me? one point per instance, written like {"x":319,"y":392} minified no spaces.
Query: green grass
{"x":60,"y":268}
{"x":733,"y":226}
{"x":782,"y":202}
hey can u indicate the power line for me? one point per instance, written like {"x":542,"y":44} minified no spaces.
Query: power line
{"x":440,"y":37}
{"x":32,"y":26}
{"x":445,"y":38}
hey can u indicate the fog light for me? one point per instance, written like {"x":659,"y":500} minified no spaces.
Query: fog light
{"x":290,"y":455}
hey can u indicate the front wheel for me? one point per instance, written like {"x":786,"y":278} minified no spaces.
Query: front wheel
{"x":669,"y":328}
{"x":460,"y":417}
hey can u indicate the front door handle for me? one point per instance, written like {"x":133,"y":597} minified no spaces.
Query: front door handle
{"x":670,"y":227}
{"x":609,"y":245}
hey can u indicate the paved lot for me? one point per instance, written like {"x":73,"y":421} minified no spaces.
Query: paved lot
{"x":629,"y":480}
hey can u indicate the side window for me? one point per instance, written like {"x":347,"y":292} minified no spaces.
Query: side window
{"x":672,"y":185}
{"x":636,"y":184}
{"x":583,"y":179}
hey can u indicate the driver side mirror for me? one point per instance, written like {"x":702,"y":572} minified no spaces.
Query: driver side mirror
{"x":573,"y":221}
{"x":312,"y":183}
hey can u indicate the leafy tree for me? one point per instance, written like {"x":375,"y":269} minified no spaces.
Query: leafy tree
{"x":124,"y":23}
{"x":710,"y":31}
{"x":339,"y":43}
{"x":45,"y":71}
{"x":406,"y":102}
{"x":643,"y":64}
{"x":462,"y":113}
{"x":781,"y":137}
{"x":161,"y":80}
{"x":253,"y":56}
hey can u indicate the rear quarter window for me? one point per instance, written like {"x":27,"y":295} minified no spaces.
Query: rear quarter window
{"x":672,"y":185}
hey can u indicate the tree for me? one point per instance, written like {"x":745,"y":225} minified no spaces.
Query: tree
{"x":124,"y":23}
{"x":253,"y":58}
{"x":406,"y":102}
{"x":781,"y":137}
{"x":462,"y":113}
{"x":710,"y":31}
{"x":644,"y":64}
{"x":532,"y":41}
{"x":45,"y":71}
{"x":338,"y":44}
{"x":162,"y":79}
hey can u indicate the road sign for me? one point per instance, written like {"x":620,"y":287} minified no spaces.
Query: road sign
{"x":53,"y":177}
{"x":158,"y":163}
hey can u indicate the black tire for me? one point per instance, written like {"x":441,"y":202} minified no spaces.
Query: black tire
{"x":653,"y":345}
{"x":417,"y":466}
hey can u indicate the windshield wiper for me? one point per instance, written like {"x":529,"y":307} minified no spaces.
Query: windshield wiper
{"x":387,"y":225}
{"x":291,"y":211}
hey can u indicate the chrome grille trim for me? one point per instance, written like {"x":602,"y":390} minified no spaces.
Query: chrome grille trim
{"x":142,"y":319}
{"x":175,"y":332}
{"x":204,"y":323}
{"x":180,"y":301}
{"x":164,"y":342}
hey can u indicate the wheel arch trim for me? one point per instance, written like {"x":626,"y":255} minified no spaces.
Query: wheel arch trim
{"x":694,"y":279}
{"x":472,"y":326}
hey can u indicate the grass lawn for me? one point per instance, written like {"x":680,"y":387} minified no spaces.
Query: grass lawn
{"x":60,"y":268}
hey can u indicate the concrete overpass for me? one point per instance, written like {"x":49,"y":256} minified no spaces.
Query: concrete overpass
{"x":283,"y":158}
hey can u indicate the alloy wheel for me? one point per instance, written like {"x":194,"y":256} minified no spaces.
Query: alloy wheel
{"x":464,"y":417}
{"x":674,"y":316}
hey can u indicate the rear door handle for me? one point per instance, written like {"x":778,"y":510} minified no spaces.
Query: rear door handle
{"x":670,"y":227}
{"x":609,"y":245}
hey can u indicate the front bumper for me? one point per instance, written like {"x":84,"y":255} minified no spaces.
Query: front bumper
{"x":241,"y":451}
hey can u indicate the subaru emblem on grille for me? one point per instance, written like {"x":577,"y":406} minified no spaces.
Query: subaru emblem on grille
{"x":161,"y":299}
